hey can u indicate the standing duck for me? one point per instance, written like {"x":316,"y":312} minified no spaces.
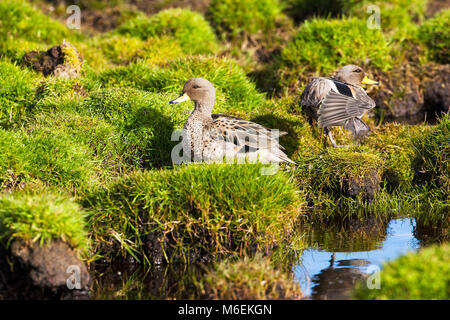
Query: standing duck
{"x":212,"y":137}
{"x":339,"y":101}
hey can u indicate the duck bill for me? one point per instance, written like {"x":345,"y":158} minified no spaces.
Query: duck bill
{"x":183,"y":97}
{"x":369,"y":81}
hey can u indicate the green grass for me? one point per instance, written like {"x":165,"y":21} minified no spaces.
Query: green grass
{"x":435,"y":34}
{"x":234,"y":90}
{"x":43,"y":217}
{"x":43,"y":154}
{"x":16,"y":93}
{"x":143,"y":122}
{"x":252,"y":278}
{"x":415,"y":276}
{"x":195,"y":210}
{"x":189,"y":29}
{"x":432,"y":156}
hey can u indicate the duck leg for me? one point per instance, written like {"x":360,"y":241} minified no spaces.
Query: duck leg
{"x":328,"y":133}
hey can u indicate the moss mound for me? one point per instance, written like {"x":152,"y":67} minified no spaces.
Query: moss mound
{"x":43,"y":217}
{"x":342,"y":172}
{"x":415,"y":276}
{"x":188,"y":28}
{"x":250,"y":279}
{"x":303,"y":9}
{"x":435,"y":34}
{"x":236,"y":20}
{"x":396,"y":16}
{"x":195,"y":211}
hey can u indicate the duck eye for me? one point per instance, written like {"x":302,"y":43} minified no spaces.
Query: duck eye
{"x":196,"y":87}
{"x":357,"y":70}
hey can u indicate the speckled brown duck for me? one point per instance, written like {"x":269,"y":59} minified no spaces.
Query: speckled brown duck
{"x":214,"y":137}
{"x":339,"y":101}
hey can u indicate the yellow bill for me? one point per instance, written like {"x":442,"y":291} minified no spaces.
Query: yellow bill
{"x":369,"y":81}
{"x":183,"y":97}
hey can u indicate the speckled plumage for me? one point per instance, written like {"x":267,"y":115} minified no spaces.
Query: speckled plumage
{"x":215,"y":137}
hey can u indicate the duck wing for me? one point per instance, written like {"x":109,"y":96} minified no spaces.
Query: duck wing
{"x":246,"y":136}
{"x":243,"y":132}
{"x":314,"y":94}
{"x":337,"y":108}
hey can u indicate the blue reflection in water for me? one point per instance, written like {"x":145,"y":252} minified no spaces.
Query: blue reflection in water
{"x":332,"y":275}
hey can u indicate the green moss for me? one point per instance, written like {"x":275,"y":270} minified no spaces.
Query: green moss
{"x":43,"y":217}
{"x":124,"y":49}
{"x":16,"y":92}
{"x":435,"y":34}
{"x":398,"y":17}
{"x":20,"y":20}
{"x":195,"y":211}
{"x":188,"y":28}
{"x":249,"y":279}
{"x":234,"y":90}
{"x":432,"y":158}
{"x":321,"y":46}
{"x":236,"y":20}
{"x":94,"y":58}
{"x":415,"y":276}
{"x":71,"y":56}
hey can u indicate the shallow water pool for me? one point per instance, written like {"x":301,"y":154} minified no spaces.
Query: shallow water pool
{"x":330,"y":268}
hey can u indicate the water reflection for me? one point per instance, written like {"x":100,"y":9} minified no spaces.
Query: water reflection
{"x":336,"y":261}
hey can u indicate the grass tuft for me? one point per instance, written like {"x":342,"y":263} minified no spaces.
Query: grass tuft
{"x":43,"y":217}
{"x":195,"y":210}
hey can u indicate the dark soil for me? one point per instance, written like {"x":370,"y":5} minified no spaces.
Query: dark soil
{"x":31,"y":271}
{"x":366,"y":187}
{"x":435,"y":6}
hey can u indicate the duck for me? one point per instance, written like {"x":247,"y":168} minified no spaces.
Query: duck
{"x":208,"y":137}
{"x":339,"y":101}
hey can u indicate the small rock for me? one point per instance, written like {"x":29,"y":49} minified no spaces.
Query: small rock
{"x":62,"y":61}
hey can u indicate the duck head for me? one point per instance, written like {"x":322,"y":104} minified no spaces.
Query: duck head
{"x":354,"y":75}
{"x":199,"y":90}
